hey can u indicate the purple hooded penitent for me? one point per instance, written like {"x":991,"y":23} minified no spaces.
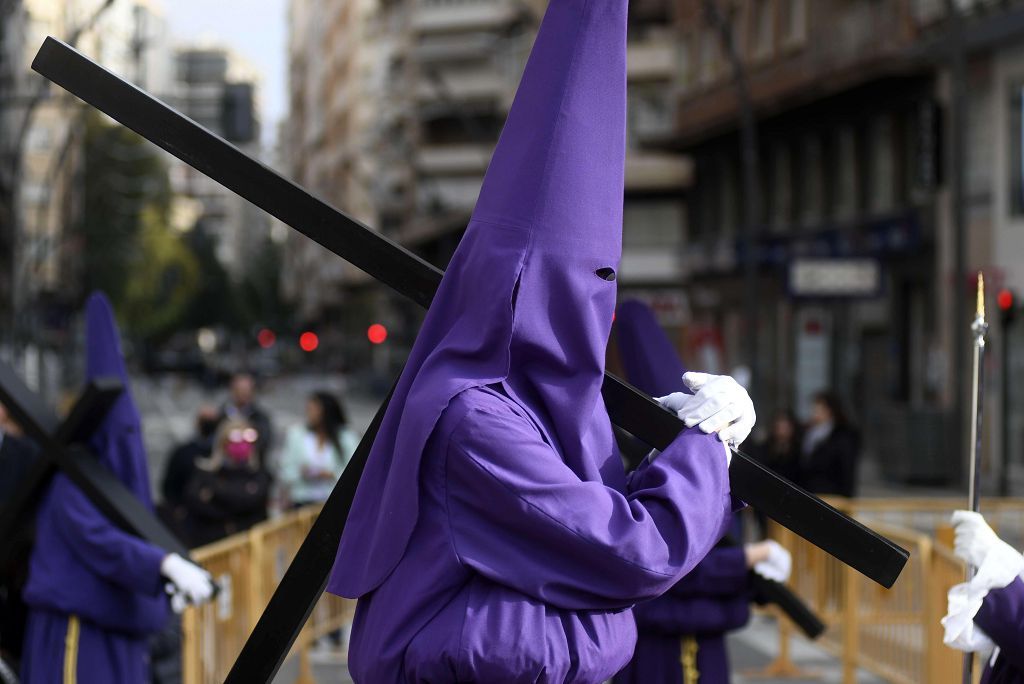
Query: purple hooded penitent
{"x":681,"y":635}
{"x":494,"y":536}
{"x":94,"y":592}
{"x":1002,"y":618}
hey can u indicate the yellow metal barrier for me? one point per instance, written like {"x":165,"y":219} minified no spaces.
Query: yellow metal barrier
{"x":893,"y":633}
{"x":249,"y":566}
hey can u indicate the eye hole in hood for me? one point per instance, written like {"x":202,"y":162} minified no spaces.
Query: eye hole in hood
{"x":606,"y":274}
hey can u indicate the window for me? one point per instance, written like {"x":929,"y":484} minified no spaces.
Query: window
{"x":763,"y":29}
{"x":846,"y":177}
{"x":794,"y":22}
{"x":729,"y":215}
{"x":656,"y":223}
{"x":1016,"y":175}
{"x":812,"y":172}
{"x":684,"y":61}
{"x":782,"y":188}
{"x":882,"y":181}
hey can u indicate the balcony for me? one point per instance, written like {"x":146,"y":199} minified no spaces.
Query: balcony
{"x":440,"y":195}
{"x":454,"y":85}
{"x":435,"y":16}
{"x":657,"y":172}
{"x":652,"y":59}
{"x":453,"y":159}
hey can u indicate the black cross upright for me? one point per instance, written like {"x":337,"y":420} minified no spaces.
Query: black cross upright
{"x":803,"y":513}
{"x":61,"y":448}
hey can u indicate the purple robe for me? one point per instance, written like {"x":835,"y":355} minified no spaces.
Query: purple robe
{"x":1002,"y":618}
{"x":494,"y":536}
{"x":684,"y":630}
{"x":520,"y":571}
{"x":94,"y":591}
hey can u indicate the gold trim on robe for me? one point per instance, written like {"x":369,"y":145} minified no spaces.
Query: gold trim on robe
{"x":688,"y":659}
{"x":71,"y":651}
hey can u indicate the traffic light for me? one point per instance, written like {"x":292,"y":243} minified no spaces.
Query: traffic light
{"x":309,"y":341}
{"x":1005,"y":302}
{"x":266,"y":338}
{"x":377,"y":333}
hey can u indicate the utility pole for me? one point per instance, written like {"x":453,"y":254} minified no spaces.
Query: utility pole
{"x":751,"y":187}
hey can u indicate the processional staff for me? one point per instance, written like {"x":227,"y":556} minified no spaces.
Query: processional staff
{"x":978,"y":328}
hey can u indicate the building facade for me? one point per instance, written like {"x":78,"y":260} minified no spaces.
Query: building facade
{"x":852,"y":102}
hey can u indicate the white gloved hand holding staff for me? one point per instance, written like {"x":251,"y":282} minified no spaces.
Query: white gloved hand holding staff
{"x":189,"y":583}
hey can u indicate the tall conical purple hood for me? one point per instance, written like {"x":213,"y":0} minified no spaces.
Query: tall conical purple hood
{"x":522,"y":303}
{"x":648,"y":357}
{"x":117,"y":441}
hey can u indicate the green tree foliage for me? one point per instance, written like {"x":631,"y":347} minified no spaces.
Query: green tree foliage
{"x":129,"y":249}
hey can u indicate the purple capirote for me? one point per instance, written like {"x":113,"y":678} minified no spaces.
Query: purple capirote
{"x":84,"y":567}
{"x":494,"y":535}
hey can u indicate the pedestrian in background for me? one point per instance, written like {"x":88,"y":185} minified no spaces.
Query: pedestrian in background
{"x":241,"y":405}
{"x":831,"y":449}
{"x":181,"y":466}
{"x":316,"y":453}
{"x":17,"y":454}
{"x":228,"y":492}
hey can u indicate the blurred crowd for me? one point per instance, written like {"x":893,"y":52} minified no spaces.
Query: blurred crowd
{"x":234,"y":470}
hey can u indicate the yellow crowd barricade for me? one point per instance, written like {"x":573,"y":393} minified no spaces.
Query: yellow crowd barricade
{"x":248,"y":567}
{"x":893,"y":633}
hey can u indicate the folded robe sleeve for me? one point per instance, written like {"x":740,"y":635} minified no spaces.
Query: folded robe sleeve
{"x":105,"y":549}
{"x":520,"y":517}
{"x":1001,"y":617}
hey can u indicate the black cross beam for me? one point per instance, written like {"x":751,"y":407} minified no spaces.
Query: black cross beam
{"x":803,"y":513}
{"x":61,"y":449}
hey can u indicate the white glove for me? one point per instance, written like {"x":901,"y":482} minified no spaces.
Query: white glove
{"x":960,"y":631}
{"x":778,"y":565}
{"x":191,"y":584}
{"x":719,"y":404}
{"x":682,"y":404}
{"x":973,"y":538}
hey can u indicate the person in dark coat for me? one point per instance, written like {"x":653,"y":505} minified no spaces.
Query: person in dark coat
{"x":986,"y":614}
{"x":17,"y":454}
{"x":96,"y":593}
{"x":181,"y":466}
{"x":831,"y":450}
{"x":228,"y":491}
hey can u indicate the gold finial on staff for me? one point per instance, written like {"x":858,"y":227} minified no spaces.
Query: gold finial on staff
{"x":981,"y":295}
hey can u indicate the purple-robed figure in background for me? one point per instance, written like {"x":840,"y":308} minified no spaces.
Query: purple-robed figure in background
{"x":681,"y":635}
{"x":986,"y":614}
{"x":95,"y":592}
{"x":495,"y":536}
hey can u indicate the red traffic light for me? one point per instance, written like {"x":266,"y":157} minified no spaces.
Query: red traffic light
{"x":377,"y":333}
{"x":266,"y":338}
{"x":1005,"y":300}
{"x":308,"y":341}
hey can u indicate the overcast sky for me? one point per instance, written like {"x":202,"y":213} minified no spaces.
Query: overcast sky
{"x":256,"y":29}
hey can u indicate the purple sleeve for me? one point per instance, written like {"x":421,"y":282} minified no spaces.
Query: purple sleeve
{"x":670,"y":614}
{"x":722,"y":573}
{"x":1002,"y":619}
{"x":105,"y":549}
{"x":522,"y":518}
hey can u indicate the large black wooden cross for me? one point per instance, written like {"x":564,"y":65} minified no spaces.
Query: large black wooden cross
{"x":796,"y":509}
{"x":61,"y":448}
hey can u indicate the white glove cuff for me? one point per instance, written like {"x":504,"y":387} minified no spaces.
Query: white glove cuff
{"x":1002,"y":564}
